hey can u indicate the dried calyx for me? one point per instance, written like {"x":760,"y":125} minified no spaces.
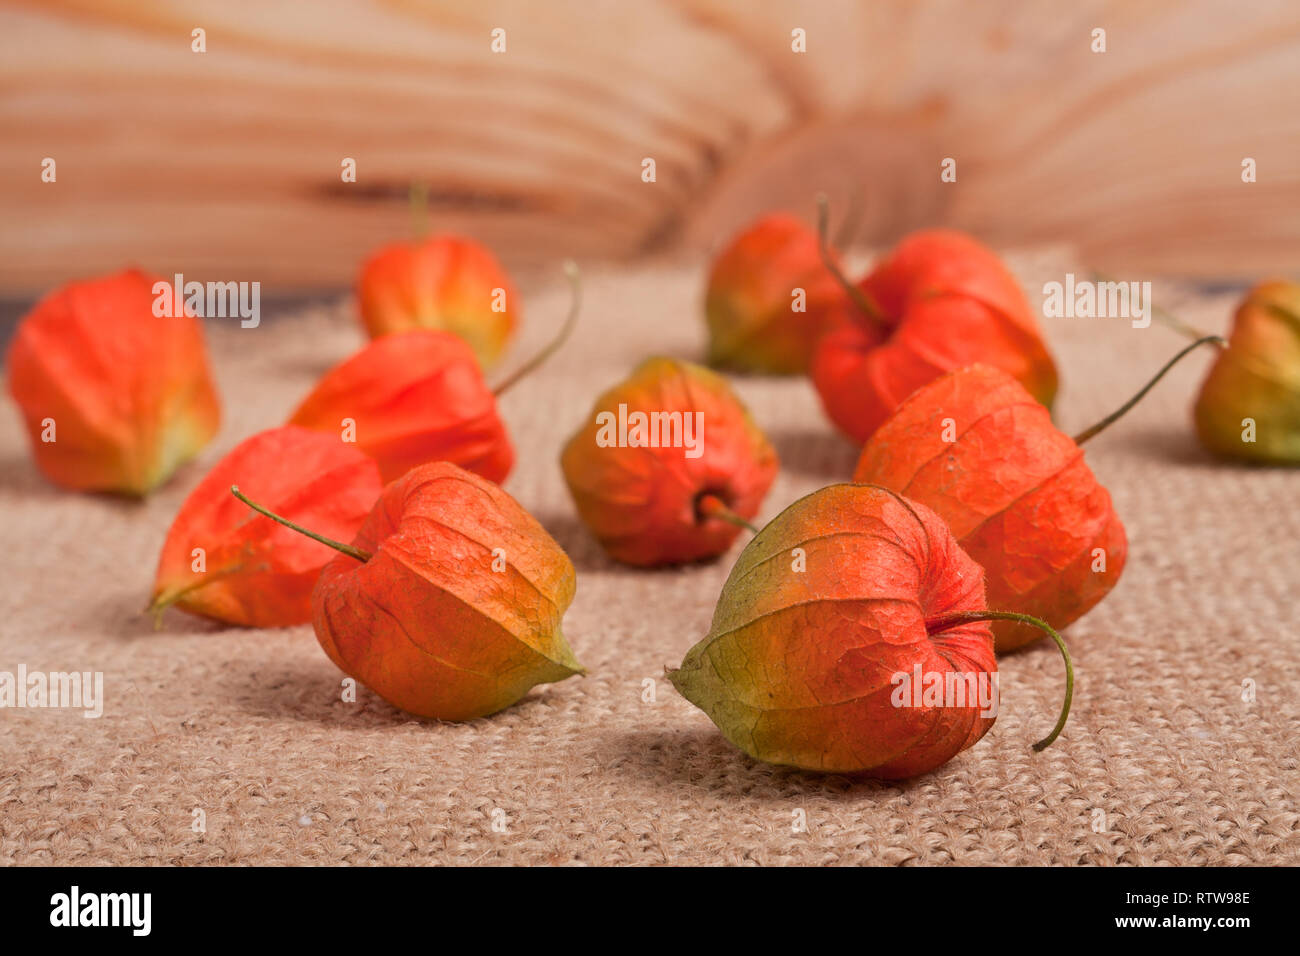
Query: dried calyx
{"x":450,"y":639}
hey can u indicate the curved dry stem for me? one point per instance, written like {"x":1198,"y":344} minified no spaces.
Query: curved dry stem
{"x":848,"y":229}
{"x":851,"y":289}
{"x":711,"y":506}
{"x":575,"y":306}
{"x":1166,"y":318}
{"x":965,"y":617}
{"x":349,"y":550}
{"x":1120,"y":412}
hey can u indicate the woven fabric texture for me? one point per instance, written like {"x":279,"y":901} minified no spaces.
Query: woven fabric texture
{"x":1163,"y":761}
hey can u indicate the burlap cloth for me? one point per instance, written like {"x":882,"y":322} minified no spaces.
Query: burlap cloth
{"x":1163,"y":761}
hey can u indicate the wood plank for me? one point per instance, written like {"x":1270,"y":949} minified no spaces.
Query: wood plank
{"x":226,"y":163}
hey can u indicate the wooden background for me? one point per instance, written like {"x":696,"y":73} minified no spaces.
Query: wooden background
{"x":226,"y":164}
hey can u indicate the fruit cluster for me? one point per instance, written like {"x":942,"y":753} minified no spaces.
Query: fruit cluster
{"x":858,"y":630}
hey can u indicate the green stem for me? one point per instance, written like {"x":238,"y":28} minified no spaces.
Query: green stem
{"x":855,"y":292}
{"x":1175,"y":323}
{"x":711,"y":506}
{"x":848,"y":229}
{"x":965,"y":617}
{"x":347,"y":549}
{"x":166,"y":599}
{"x":1167,"y":318}
{"x":1119,"y":413}
{"x":575,"y":305}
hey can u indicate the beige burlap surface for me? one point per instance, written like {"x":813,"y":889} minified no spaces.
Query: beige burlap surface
{"x":1163,"y":760}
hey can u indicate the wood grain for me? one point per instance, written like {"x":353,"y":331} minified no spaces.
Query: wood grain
{"x":226,"y":163}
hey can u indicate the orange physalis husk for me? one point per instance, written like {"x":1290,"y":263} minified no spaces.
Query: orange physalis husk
{"x":667,"y":464}
{"x":415,"y":397}
{"x":981,"y":452}
{"x":114,"y":397}
{"x":248,"y":570}
{"x":1249,"y":405}
{"x":770,"y":299}
{"x":939,"y":301}
{"x":412,"y":398}
{"x":448,"y":602}
{"x":851,"y":637}
{"x":441,"y":282}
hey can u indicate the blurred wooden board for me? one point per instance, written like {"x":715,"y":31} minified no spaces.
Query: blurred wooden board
{"x":227,"y":163}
